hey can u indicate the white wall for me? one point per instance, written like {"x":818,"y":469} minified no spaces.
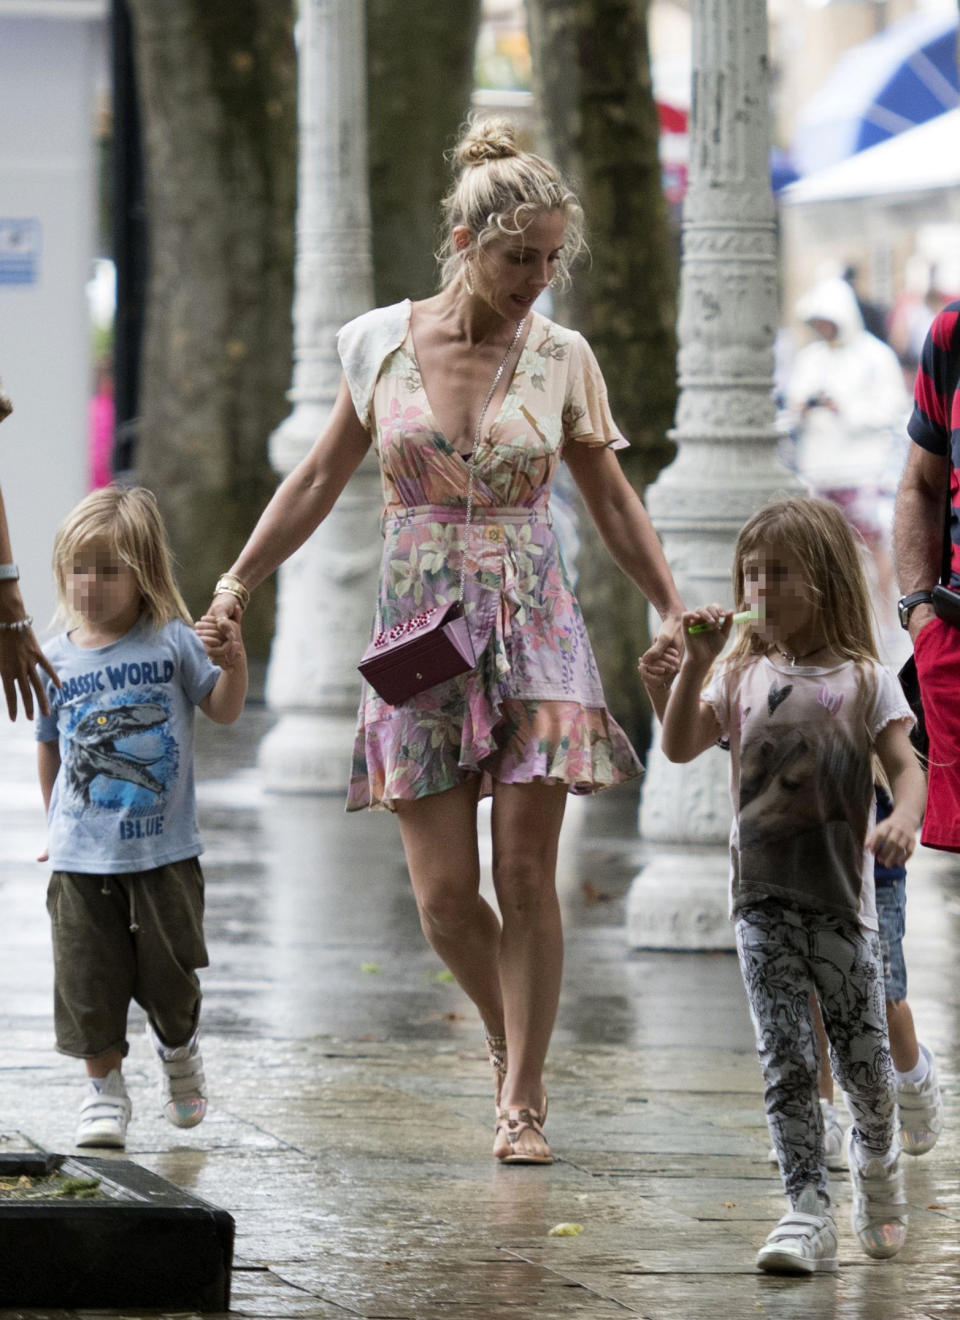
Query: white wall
{"x":49,"y":67}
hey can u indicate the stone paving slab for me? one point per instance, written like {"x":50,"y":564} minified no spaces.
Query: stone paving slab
{"x":351,"y":1117}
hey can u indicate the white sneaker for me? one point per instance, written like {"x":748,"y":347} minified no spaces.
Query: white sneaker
{"x":105,"y":1113}
{"x":878,"y":1215}
{"x":832,"y":1139}
{"x":921,"y":1111}
{"x":183,"y":1096}
{"x":802,"y":1243}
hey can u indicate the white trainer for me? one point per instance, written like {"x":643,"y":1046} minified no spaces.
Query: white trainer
{"x":802,"y":1243}
{"x":921,"y":1110}
{"x":105,"y":1113}
{"x":183,"y":1095}
{"x":879,"y":1212}
{"x":834,"y":1157}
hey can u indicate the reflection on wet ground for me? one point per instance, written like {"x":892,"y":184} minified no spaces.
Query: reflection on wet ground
{"x":350,"y":1124}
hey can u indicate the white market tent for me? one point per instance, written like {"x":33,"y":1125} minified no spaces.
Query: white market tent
{"x":916,"y":172}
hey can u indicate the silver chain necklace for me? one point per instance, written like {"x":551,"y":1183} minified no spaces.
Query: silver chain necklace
{"x":476,"y":445}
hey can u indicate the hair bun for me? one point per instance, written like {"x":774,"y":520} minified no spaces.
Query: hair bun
{"x":487,"y":139}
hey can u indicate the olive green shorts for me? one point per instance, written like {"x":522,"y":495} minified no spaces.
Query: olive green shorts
{"x":120,"y":937}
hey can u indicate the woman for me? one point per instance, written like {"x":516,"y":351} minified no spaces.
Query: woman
{"x":529,"y":724}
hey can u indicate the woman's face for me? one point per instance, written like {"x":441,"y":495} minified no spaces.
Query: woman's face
{"x":515,"y":271}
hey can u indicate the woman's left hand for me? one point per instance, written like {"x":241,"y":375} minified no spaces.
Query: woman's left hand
{"x":664,"y":654}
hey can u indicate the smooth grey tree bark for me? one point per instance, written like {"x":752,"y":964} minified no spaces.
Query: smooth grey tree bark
{"x":598,"y":121}
{"x":420,"y":62}
{"x":217,"y":83}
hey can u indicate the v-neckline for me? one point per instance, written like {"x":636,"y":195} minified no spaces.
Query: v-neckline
{"x":490,"y":422}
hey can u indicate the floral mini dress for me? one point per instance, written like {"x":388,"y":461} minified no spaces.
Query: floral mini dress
{"x":533,"y":710}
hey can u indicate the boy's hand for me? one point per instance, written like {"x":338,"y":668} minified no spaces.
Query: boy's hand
{"x":703,"y":647}
{"x":222,"y":640}
{"x":45,"y":855}
{"x":891,"y":843}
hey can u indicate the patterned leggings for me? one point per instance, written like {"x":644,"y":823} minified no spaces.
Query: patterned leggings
{"x":784,"y":955}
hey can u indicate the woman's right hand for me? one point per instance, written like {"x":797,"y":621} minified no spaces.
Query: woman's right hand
{"x":225,"y":605}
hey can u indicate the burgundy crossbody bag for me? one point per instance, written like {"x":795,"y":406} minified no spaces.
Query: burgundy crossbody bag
{"x":434,"y":645}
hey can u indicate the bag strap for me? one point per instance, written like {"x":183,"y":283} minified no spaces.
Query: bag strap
{"x":476,"y":445}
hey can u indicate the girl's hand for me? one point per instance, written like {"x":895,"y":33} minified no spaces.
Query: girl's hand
{"x":659,"y":670}
{"x":45,"y":855}
{"x":221,"y":639}
{"x":891,"y":842}
{"x":702,"y":648}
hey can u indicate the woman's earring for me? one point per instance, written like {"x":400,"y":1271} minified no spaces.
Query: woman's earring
{"x":467,"y":280}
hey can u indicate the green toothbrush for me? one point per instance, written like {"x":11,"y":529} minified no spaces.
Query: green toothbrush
{"x":744,"y":616}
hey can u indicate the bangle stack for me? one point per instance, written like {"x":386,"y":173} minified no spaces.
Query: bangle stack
{"x":19,"y":625}
{"x":230,"y":583}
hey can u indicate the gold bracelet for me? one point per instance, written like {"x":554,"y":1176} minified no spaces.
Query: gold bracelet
{"x":230,"y":583}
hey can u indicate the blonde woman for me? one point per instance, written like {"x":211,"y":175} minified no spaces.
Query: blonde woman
{"x":471,"y":399}
{"x":115,"y":757}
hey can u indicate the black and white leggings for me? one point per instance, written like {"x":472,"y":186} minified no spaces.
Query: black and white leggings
{"x":784,"y":955}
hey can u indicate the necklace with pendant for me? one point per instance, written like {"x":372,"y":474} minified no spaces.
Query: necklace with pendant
{"x":795,"y":659}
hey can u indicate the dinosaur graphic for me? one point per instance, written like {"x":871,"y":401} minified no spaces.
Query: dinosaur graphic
{"x":94,"y":751}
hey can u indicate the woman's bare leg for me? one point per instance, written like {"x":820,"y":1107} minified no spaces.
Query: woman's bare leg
{"x":439,"y":835}
{"x":526,"y":831}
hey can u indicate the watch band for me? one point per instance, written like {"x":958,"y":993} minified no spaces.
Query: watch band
{"x":9,"y":573}
{"x":906,"y":603}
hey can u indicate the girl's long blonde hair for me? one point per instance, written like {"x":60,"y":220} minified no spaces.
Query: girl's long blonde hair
{"x":128,"y":521}
{"x":819,"y":537}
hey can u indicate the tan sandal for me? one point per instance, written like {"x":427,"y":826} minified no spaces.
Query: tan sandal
{"x":497,"y":1054}
{"x":518,"y":1137}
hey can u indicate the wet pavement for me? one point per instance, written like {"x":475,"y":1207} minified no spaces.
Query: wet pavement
{"x":350,"y":1125}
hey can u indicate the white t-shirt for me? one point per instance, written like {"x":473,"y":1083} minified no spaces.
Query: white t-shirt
{"x":801,"y":780}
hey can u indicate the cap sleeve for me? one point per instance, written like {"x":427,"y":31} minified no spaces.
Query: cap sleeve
{"x":586,"y":410}
{"x":363,"y":344}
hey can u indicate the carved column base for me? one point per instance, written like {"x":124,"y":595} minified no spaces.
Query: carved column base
{"x":308,"y":753}
{"x":679,"y":901}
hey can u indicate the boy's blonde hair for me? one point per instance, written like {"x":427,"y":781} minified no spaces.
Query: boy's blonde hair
{"x":128,"y":521}
{"x":819,"y":537}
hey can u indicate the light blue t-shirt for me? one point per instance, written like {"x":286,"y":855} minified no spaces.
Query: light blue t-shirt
{"x":124,"y":797}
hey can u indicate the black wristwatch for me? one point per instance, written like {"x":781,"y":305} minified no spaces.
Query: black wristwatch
{"x":906,"y":603}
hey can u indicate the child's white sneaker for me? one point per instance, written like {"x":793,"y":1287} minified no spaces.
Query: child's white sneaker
{"x":804,"y":1242}
{"x":104,"y":1113}
{"x":921,"y":1110}
{"x":183,"y":1095}
{"x":832,"y":1139}
{"x":878,"y":1215}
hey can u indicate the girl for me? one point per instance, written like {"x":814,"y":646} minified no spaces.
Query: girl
{"x":116,"y":772}
{"x":805,"y":706}
{"x":471,"y":399}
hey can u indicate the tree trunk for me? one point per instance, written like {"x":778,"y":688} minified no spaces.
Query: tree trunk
{"x":598,"y":121}
{"x":217,"y":83}
{"x":420,"y":61}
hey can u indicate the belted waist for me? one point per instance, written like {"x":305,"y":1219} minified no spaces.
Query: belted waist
{"x":484,"y":514}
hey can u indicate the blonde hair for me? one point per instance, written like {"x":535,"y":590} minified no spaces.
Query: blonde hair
{"x":128,"y":521}
{"x":819,"y":537}
{"x":499,"y":189}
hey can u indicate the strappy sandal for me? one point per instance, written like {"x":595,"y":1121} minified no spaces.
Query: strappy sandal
{"x":497,"y":1054}
{"x":511,"y":1126}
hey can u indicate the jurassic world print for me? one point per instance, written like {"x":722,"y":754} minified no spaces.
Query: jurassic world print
{"x":801,"y":740}
{"x":123,"y":719}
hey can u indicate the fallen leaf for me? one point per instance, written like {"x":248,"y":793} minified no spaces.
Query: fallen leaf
{"x":370,"y":969}
{"x":933,"y":1206}
{"x":592,"y":895}
{"x":565,"y":1230}
{"x":441,"y":978}
{"x":730,"y":1205}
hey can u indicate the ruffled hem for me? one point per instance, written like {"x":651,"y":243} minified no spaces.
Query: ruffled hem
{"x":407,"y":756}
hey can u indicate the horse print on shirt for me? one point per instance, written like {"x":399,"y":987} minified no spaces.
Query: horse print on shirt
{"x":804,"y":801}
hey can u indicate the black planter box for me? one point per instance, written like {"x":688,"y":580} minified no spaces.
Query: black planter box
{"x":139,"y":1243}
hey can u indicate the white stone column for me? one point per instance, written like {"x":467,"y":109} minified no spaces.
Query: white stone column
{"x":326,"y":591}
{"x":726,"y":465}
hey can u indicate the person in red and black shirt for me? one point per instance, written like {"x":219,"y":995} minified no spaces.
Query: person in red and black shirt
{"x":918,"y":533}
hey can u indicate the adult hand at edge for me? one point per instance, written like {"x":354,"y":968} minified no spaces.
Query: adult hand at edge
{"x":20,"y":660}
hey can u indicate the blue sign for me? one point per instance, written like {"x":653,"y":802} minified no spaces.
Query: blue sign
{"x":19,"y":251}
